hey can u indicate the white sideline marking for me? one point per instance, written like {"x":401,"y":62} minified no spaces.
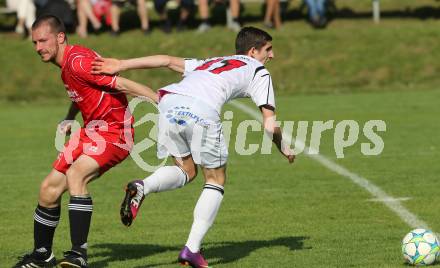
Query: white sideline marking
{"x":403,"y":213}
{"x":390,"y":200}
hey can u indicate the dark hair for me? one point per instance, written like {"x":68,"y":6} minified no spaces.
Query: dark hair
{"x":250,"y":37}
{"x":55,"y":23}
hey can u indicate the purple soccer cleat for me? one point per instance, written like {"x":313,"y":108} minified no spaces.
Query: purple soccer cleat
{"x":134,"y":195}
{"x":196,"y":260}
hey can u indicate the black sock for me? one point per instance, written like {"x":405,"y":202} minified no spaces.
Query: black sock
{"x":206,"y":21}
{"x":45,"y":223}
{"x":236,"y":20}
{"x":80,"y":216}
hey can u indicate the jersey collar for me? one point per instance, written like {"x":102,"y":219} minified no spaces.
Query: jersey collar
{"x":251,"y":59}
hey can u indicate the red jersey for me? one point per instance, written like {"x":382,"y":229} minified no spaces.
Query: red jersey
{"x":95,"y":95}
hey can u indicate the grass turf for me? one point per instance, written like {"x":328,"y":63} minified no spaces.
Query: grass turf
{"x":273,"y":214}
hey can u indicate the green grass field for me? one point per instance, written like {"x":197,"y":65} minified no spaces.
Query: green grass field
{"x":273,"y":214}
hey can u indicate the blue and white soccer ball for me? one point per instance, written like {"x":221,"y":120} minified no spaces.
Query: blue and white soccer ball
{"x":420,"y":247}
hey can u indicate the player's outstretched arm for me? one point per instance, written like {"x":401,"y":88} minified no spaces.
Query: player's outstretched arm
{"x":135,"y":89}
{"x":272,"y":128}
{"x":113,"y":66}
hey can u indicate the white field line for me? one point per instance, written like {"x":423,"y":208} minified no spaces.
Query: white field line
{"x":390,"y":200}
{"x":403,"y":213}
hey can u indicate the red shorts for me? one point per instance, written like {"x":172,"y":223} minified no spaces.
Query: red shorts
{"x":106,"y":150}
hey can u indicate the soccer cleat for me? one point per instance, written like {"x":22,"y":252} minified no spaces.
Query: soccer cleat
{"x":73,"y":259}
{"x":195,"y":260}
{"x":134,"y":195}
{"x":36,"y":260}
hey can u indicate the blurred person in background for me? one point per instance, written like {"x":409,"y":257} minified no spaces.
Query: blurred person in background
{"x":25,"y":14}
{"x":317,"y":13}
{"x":186,"y":7}
{"x":272,"y":17}
{"x":116,"y":14}
{"x":84,"y":11}
{"x":233,"y":15}
{"x":63,"y":9}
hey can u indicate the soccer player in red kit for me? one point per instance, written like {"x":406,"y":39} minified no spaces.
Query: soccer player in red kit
{"x":104,"y":141}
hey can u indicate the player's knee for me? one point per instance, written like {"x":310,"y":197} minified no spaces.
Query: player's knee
{"x":46,"y":189}
{"x":189,"y":168}
{"x":49,"y":193}
{"x":191,"y":171}
{"x":215,"y":176}
{"x":71,"y":174}
{"x":74,"y":177}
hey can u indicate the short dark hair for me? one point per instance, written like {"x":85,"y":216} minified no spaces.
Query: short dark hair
{"x":250,"y":37}
{"x":55,"y":23}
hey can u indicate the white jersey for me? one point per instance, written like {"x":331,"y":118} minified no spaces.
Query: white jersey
{"x":216,"y":81}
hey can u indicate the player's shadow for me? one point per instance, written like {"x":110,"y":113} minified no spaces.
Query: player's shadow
{"x":228,"y":252}
{"x":221,"y":252}
{"x":120,"y":252}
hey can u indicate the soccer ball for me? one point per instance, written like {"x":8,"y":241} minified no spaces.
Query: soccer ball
{"x":420,"y":247}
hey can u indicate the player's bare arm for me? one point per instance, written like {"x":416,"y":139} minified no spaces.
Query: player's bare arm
{"x":65,"y":126}
{"x":135,"y":89}
{"x":113,"y":66}
{"x":72,"y":112}
{"x":272,"y":128}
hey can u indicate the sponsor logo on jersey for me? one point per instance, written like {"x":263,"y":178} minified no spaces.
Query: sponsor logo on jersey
{"x":181,"y":115}
{"x":73,"y":95}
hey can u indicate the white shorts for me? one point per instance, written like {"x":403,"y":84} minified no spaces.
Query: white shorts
{"x":189,"y":126}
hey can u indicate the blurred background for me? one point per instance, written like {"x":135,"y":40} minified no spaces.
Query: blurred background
{"x":335,"y":48}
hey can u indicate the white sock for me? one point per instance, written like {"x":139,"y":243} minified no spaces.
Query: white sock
{"x":165,"y":178}
{"x":204,"y":214}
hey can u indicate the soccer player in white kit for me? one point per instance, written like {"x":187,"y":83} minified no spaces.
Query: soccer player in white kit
{"x":190,"y":129}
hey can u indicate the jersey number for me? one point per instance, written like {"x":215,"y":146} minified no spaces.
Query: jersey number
{"x":227,"y":65}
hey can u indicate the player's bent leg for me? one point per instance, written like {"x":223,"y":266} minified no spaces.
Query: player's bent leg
{"x":51,"y":189}
{"x":81,"y":172}
{"x":187,"y":164}
{"x":204,"y":215}
{"x":163,"y":179}
{"x":215,"y":175}
{"x":46,"y":218}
